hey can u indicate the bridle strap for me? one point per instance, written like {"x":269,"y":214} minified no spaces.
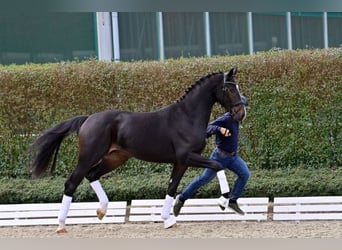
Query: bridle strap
{"x":237,"y":103}
{"x":225,"y":75}
{"x":230,"y":82}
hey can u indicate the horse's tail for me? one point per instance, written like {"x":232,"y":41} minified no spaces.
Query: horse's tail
{"x":49,"y":142}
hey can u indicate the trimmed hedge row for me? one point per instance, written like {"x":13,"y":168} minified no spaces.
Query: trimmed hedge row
{"x":295,"y":96}
{"x":263,"y":183}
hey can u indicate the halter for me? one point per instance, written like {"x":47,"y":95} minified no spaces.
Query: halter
{"x":225,"y":88}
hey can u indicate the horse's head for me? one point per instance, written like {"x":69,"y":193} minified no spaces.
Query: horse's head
{"x":228,"y":95}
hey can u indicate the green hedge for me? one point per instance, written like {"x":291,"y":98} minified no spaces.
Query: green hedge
{"x":295,"y":97}
{"x":124,"y":187}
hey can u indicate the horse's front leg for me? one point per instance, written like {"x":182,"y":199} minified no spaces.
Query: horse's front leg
{"x":196,"y":160}
{"x":176,"y":175}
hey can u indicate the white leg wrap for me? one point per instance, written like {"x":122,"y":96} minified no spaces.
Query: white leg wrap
{"x":165,"y":214}
{"x":101,"y":194}
{"x":169,"y":222}
{"x":223,"y":182}
{"x":66,"y":201}
{"x":61,"y":227}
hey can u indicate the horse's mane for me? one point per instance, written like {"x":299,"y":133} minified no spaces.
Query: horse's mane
{"x":197,"y":83}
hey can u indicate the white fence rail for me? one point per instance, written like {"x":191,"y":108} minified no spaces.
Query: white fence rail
{"x":308,"y":208}
{"x":256,"y":209}
{"x":46,"y":214}
{"x":200,"y":210}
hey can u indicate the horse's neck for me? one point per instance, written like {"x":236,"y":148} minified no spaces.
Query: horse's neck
{"x":199,"y":100}
{"x":198,"y":105}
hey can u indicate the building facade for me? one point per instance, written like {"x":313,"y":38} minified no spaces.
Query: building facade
{"x":124,"y":36}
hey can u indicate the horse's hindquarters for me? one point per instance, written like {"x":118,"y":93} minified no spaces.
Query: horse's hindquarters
{"x":115,"y":158}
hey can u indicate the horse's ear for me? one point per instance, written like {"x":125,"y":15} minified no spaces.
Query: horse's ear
{"x":232,"y":72}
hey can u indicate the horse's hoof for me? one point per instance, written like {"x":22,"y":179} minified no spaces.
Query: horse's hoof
{"x":173,"y":226}
{"x":100,"y":214}
{"x":170,"y":222}
{"x":61,"y":231}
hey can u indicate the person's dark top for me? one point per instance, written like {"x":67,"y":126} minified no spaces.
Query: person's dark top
{"x":226,"y":143}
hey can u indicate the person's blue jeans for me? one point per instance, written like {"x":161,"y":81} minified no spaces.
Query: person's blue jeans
{"x":233,"y":163}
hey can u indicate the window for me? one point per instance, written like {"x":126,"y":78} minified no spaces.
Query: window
{"x":334,"y":29}
{"x":229,"y":33}
{"x":307,"y":30}
{"x":47,"y":37}
{"x":138,"y":38}
{"x":269,"y":31}
{"x":183,"y":34}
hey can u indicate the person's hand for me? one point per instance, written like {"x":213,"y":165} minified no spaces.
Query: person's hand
{"x":225,"y":132}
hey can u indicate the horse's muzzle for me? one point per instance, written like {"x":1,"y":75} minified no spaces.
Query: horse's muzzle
{"x":238,"y":112}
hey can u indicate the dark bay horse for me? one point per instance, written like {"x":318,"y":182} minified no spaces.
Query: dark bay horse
{"x":174,"y":134}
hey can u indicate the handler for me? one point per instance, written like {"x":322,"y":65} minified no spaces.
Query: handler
{"x":226,"y":130}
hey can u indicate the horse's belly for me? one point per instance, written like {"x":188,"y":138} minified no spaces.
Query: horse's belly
{"x":155,"y":157}
{"x":152,"y":153}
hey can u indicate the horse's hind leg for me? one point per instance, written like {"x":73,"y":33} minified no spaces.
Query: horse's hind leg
{"x":108,"y":163}
{"x":93,"y":177}
{"x":70,"y":187}
{"x":94,"y":139}
{"x":85,"y":164}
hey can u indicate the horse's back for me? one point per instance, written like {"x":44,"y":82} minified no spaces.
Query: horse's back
{"x":143,"y":135}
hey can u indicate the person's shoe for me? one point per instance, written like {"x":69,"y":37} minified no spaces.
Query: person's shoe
{"x":178,"y":206}
{"x":222,"y":202}
{"x":234,"y":206}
